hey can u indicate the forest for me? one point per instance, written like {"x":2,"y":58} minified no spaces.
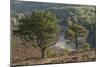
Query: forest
{"x":45,"y":33}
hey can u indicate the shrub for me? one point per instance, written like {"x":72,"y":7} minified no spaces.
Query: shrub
{"x":66,"y":51}
{"x":50,"y":54}
{"x":53,"y":54}
{"x":86,"y":46}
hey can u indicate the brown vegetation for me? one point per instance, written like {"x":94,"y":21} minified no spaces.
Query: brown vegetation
{"x":28,"y":56}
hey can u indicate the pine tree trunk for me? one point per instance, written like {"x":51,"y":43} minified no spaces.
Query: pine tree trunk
{"x":43,"y":53}
{"x":77,"y":42}
{"x":77,"y":45}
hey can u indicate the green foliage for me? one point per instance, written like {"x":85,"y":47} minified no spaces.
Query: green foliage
{"x":83,"y":15}
{"x":52,"y":54}
{"x":75,"y":32}
{"x":86,"y":46}
{"x":66,"y":52}
{"x":87,"y":15}
{"x":40,"y":27}
{"x":45,"y":27}
{"x":76,"y":29}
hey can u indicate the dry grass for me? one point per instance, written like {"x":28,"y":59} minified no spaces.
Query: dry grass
{"x":28,"y":56}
